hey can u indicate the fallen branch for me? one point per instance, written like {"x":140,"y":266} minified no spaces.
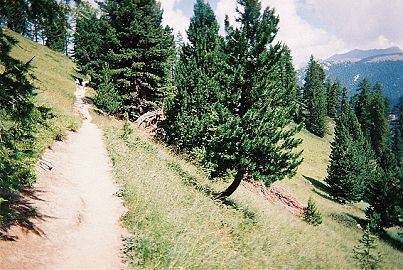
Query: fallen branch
{"x":46,"y":165}
{"x":150,"y":118}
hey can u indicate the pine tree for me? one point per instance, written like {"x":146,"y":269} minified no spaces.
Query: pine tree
{"x":379,"y":127}
{"x":141,"y":53}
{"x":107,"y":97}
{"x":349,"y":160}
{"x":17,"y":120}
{"x":255,"y":137}
{"x":14,"y":14}
{"x":362,"y":107}
{"x":364,"y":251}
{"x":90,"y":46}
{"x":333,"y":92}
{"x":311,"y":214}
{"x":398,"y":135}
{"x":55,"y":26}
{"x":288,"y":78}
{"x":200,"y":82}
{"x":315,"y":99}
{"x":383,"y":193}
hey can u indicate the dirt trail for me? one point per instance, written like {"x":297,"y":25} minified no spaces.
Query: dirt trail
{"x":79,"y":224}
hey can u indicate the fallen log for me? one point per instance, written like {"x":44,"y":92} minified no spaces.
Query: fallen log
{"x":150,"y":118}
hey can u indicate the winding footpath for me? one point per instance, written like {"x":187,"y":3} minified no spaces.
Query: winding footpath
{"x":78,"y":225}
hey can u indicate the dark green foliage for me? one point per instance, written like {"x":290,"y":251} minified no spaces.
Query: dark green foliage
{"x":311,"y":213}
{"x":333,"y":90}
{"x":90,"y":45}
{"x":379,"y":127}
{"x":288,"y":79}
{"x":384,"y":194}
{"x":139,"y":54}
{"x":362,"y":107}
{"x":18,"y":118}
{"x":364,"y":252}
{"x":14,"y":14}
{"x":107,"y":97}
{"x":237,"y":98}
{"x":349,"y":165}
{"x":398,"y":135}
{"x":55,"y":26}
{"x":200,"y":81}
{"x":315,"y":99}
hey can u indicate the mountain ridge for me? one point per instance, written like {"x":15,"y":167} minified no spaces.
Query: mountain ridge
{"x":384,"y":65}
{"x":358,"y":54}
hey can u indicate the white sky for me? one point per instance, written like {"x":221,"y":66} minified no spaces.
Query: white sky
{"x":318,"y":27}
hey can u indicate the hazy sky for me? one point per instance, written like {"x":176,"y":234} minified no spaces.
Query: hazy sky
{"x":318,"y":27}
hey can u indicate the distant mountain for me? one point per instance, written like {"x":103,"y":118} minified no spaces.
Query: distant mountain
{"x":384,"y":65}
{"x":357,"y":55}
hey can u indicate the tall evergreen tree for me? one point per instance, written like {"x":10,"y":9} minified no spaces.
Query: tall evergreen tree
{"x":362,"y":107}
{"x":55,"y":26}
{"x":14,"y":14}
{"x":398,"y":135}
{"x":90,"y":44}
{"x":288,"y":78}
{"x":142,"y":52}
{"x":17,"y":120}
{"x":333,"y":92}
{"x":349,"y":166}
{"x":315,"y":99}
{"x":200,"y":82}
{"x":379,"y":127}
{"x":255,"y":136}
{"x":384,"y":194}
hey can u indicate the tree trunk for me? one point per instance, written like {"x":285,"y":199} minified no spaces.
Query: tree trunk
{"x":240,"y":175}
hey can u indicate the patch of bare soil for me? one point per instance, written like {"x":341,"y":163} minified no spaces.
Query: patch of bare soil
{"x":276,"y":194}
{"x":75,"y":220}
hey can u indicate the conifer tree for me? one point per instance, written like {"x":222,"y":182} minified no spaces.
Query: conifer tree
{"x":383,"y":193}
{"x":315,"y":99}
{"x":200,"y":82}
{"x":107,"y":97}
{"x":311,"y":213}
{"x":55,"y":26}
{"x":364,"y":251}
{"x":398,"y":135}
{"x":362,"y":107}
{"x":17,"y":120}
{"x":379,"y":127}
{"x":333,"y":92}
{"x":90,"y":46}
{"x":349,"y":167}
{"x":289,"y":83}
{"x":14,"y":14}
{"x":255,"y":138}
{"x":141,"y":53}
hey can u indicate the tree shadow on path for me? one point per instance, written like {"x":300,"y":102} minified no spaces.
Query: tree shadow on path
{"x":19,"y":211}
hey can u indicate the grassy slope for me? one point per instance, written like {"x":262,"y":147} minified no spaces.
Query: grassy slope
{"x":55,"y":87}
{"x":176,"y":225}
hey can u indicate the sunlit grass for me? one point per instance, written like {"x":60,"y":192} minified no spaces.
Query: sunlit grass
{"x":174,"y":223}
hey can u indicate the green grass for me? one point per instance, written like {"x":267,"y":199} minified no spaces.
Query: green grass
{"x":175,"y":224}
{"x":54,"y":87}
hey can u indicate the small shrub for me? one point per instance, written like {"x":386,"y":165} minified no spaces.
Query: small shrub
{"x":127,"y":130}
{"x":107,"y":97}
{"x":311,"y":213}
{"x":364,"y":251}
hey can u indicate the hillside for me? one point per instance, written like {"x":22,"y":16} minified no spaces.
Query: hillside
{"x":53,"y":73}
{"x":176,"y":224}
{"x":173,"y":221}
{"x":377,"y":65}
